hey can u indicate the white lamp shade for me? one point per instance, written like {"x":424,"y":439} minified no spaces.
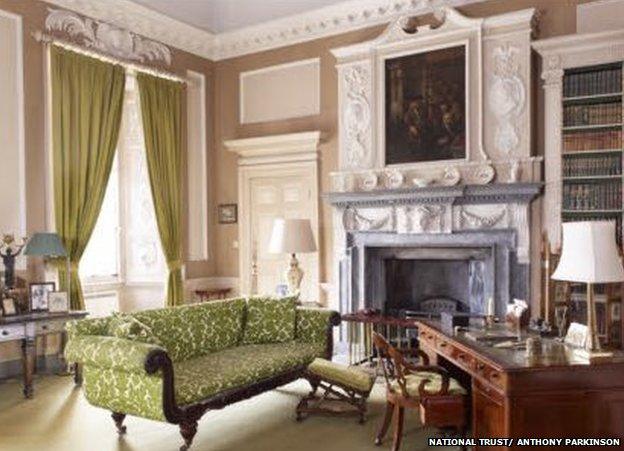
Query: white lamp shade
{"x":589,"y":253}
{"x":292,"y":236}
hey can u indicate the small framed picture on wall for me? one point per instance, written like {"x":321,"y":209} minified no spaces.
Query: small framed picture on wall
{"x":228,"y":213}
{"x":40,"y":295}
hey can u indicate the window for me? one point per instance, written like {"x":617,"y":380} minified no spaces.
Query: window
{"x":125,"y":246}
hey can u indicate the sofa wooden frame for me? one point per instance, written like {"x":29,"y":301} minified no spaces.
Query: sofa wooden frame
{"x":187,"y":417}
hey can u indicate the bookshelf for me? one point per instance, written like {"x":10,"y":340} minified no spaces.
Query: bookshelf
{"x":583,"y":160}
{"x":591,"y":144}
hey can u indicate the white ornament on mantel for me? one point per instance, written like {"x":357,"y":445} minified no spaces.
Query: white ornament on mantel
{"x":107,"y":38}
{"x":369,"y":181}
{"x":507,"y":97}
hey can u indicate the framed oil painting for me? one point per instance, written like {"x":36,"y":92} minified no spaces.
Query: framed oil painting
{"x":425,"y":112}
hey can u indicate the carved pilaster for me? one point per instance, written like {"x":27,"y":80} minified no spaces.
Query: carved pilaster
{"x":553,"y":81}
{"x":355,"y":116}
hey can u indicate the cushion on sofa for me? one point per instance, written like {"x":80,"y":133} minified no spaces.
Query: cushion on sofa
{"x":270,"y":320}
{"x":202,"y":377}
{"x":130,"y":328}
{"x":194,"y":330}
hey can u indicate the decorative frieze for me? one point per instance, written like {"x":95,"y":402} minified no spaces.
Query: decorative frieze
{"x":106,"y":38}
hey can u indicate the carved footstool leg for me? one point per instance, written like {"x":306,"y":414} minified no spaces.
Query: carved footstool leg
{"x":188,"y":429}
{"x":118,"y":418}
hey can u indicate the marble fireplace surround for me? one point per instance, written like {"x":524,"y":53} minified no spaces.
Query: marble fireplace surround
{"x":493,"y":219}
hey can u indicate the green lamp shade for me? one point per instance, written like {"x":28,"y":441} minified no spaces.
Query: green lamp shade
{"x":46,"y":245}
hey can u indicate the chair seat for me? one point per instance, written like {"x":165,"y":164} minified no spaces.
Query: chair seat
{"x":205,"y":376}
{"x":433,"y":386}
{"x":343,"y":375}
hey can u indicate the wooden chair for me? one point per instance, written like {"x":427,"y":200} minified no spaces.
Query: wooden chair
{"x":443,"y":404}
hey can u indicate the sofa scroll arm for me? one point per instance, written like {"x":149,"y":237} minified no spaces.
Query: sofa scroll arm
{"x":334,"y":321}
{"x":158,"y":360}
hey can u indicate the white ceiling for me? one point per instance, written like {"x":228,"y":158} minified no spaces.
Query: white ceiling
{"x":218,"y":16}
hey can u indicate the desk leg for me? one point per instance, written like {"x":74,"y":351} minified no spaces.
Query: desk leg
{"x":28,"y":363}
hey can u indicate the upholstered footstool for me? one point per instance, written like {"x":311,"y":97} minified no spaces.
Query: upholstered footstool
{"x":345,"y":390}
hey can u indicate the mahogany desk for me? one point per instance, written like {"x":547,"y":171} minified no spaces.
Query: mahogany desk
{"x":546,"y":397}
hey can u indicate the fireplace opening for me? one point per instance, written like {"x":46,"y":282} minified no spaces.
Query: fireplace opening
{"x":428,"y":281}
{"x":427,"y":286}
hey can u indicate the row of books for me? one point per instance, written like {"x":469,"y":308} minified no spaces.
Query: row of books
{"x":592,"y":196}
{"x":592,"y":140}
{"x":592,"y":166}
{"x":603,"y":81}
{"x":592,"y":114}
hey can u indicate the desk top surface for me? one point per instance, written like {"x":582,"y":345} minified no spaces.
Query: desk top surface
{"x":554,"y":353}
{"x":42,"y":316}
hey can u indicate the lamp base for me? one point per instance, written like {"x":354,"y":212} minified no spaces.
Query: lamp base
{"x":593,"y":356}
{"x":294,"y":275}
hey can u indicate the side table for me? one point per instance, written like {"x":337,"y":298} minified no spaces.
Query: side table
{"x":26,"y":328}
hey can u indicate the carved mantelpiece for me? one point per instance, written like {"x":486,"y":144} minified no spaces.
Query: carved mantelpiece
{"x":441,"y":210}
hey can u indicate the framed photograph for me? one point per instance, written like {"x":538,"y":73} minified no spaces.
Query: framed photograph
{"x":9,"y":307}
{"x":39,"y":295}
{"x":58,"y":302}
{"x":577,"y":335}
{"x":425,"y":117}
{"x":228,"y":213}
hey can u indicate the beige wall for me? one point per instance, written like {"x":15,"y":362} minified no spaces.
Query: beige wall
{"x":33,"y":16}
{"x":556,"y":17}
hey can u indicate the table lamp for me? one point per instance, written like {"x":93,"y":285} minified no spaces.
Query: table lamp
{"x":590,"y":255}
{"x":292,"y":236}
{"x":46,"y":244}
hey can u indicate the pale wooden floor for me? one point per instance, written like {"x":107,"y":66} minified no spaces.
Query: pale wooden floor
{"x":60,"y":419}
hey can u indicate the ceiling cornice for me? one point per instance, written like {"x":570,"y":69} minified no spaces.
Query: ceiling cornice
{"x":145,"y":22}
{"x":323,"y":22}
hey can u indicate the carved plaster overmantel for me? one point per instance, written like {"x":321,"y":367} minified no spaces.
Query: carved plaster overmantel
{"x":498,"y":105}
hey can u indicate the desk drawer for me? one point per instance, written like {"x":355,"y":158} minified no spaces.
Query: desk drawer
{"x":12,"y":332}
{"x":49,"y":327}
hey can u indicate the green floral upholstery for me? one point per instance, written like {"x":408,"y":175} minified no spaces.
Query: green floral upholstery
{"x":109,"y":352}
{"x":91,"y":326}
{"x":270,"y":320}
{"x":123,"y":391}
{"x":130,"y":328}
{"x":204,"y":343}
{"x":413,"y":382}
{"x":350,"y":377}
{"x":312,"y":324}
{"x":193,"y":330}
{"x":203,"y":377}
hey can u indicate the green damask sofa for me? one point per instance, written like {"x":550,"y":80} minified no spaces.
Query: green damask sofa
{"x":174,"y":364}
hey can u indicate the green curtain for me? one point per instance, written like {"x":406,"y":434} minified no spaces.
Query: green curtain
{"x":161,"y":109}
{"x":87,"y":100}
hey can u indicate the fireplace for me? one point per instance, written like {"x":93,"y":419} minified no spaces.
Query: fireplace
{"x":428,"y":280}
